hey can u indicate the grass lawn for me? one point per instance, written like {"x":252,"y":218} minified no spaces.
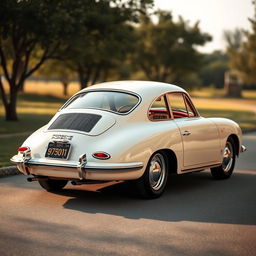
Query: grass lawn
{"x":211,"y":92}
{"x":246,"y":119}
{"x":8,"y":148}
{"x":35,"y":110}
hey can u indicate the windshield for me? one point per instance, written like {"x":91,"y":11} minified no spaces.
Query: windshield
{"x":118,"y":102}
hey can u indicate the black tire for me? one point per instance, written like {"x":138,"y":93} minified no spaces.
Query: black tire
{"x":53,"y":185}
{"x":225,"y":170}
{"x":153,"y":181}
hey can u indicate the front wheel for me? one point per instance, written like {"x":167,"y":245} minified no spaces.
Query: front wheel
{"x":53,"y":185}
{"x":153,"y":181}
{"x":225,"y":170}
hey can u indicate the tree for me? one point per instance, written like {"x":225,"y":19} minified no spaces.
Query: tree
{"x":31,"y":31}
{"x":242,"y":54}
{"x":106,"y":40}
{"x":57,"y":70}
{"x":234,"y":40}
{"x":213,"y":70}
{"x":167,"y":49}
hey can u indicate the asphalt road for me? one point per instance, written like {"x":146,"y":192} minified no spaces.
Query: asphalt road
{"x":196,"y":216}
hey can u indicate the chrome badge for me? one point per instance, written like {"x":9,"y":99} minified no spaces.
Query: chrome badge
{"x":61,"y":137}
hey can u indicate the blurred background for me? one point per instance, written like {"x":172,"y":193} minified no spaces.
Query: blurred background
{"x":51,"y":49}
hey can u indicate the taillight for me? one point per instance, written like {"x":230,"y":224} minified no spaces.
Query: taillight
{"x":101,"y":155}
{"x":22,"y":149}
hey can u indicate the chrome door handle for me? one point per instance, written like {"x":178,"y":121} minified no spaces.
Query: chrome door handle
{"x":186,"y":133}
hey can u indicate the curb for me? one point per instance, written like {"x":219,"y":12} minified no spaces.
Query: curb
{"x":8,"y":171}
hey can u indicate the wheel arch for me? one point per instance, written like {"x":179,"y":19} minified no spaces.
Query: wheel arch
{"x":171,"y":158}
{"x":236,"y":142}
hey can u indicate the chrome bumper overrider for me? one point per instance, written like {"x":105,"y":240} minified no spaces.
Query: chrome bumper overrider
{"x":81,"y":170}
{"x":243,"y":149}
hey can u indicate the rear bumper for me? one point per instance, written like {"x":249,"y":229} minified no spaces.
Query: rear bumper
{"x":89,"y":171}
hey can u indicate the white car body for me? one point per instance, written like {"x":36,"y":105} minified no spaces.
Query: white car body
{"x":130,"y":139}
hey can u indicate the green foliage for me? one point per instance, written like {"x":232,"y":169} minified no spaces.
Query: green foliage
{"x":214,"y":68}
{"x":87,"y":33}
{"x":57,"y":70}
{"x":104,"y":42}
{"x":166,"y":50}
{"x":190,"y":81}
{"x":31,"y":31}
{"x":242,"y":52}
{"x":8,"y":148}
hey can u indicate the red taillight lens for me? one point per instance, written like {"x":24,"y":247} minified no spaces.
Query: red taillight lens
{"x":101,"y":155}
{"x":22,"y":149}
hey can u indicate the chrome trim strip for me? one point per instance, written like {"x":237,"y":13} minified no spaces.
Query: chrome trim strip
{"x":82,"y":169}
{"x":105,"y":90}
{"x":51,"y":164}
{"x":200,"y":168}
{"x":87,"y":169}
{"x":116,"y":166}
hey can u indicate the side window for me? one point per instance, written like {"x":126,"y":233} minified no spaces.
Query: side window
{"x":179,"y":107}
{"x":159,"y":110}
{"x":191,"y":112}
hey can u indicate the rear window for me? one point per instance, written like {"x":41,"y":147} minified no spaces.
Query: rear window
{"x":117,"y":102}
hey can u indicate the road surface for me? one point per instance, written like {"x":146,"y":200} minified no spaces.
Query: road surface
{"x":196,"y":216}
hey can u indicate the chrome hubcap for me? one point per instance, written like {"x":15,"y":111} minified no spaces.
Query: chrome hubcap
{"x":157,"y":172}
{"x":227,"y":157}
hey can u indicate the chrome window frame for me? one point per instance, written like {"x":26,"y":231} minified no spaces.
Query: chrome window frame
{"x":167,"y":107}
{"x":186,"y":99}
{"x":105,"y":90}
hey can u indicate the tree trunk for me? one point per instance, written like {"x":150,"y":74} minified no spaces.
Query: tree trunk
{"x":147,"y":72}
{"x":83,"y":77}
{"x":83,"y":82}
{"x":10,"y":107}
{"x":65,"y":87}
{"x":105,"y":74}
{"x":96,"y":74}
{"x":22,"y":89}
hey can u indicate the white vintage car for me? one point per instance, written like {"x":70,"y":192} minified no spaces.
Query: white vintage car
{"x":130,"y":130}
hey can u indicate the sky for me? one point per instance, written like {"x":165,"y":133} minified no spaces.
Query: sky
{"x":215,"y":16}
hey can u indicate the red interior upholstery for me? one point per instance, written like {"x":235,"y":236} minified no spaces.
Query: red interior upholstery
{"x":155,"y":114}
{"x":163,"y":114}
{"x":179,"y":114}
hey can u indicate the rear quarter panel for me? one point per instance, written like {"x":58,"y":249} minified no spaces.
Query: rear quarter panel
{"x":138,"y":141}
{"x":226,"y":128}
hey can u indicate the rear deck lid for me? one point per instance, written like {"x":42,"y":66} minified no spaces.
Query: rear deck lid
{"x":90,"y":123}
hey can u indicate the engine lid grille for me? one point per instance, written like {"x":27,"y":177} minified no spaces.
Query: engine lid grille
{"x":75,"y":121}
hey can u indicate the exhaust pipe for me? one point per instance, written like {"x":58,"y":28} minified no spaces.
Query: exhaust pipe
{"x":87,"y":182}
{"x":30,"y":179}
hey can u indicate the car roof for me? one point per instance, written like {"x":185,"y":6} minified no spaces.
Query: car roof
{"x":143,"y":88}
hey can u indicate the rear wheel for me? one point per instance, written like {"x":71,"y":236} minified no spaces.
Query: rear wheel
{"x":153,"y":181}
{"x":53,"y":185}
{"x":225,"y":170}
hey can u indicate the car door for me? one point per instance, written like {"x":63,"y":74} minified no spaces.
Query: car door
{"x":200,"y":138}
